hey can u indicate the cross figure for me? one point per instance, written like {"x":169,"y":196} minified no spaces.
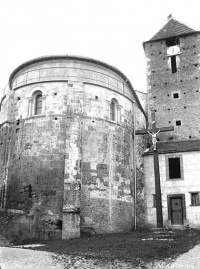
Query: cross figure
{"x":153,"y":132}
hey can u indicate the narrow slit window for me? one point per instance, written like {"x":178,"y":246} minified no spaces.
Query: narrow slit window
{"x":114,"y":110}
{"x":173,"y":64}
{"x":38,"y":104}
{"x":174,"y":168}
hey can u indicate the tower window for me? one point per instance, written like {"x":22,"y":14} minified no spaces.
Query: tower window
{"x":172,"y":41}
{"x":173,"y":64}
{"x":178,"y":122}
{"x":174,"y":168}
{"x":176,"y":95}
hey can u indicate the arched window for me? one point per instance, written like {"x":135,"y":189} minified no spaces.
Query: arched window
{"x":114,"y":110}
{"x":38,"y":104}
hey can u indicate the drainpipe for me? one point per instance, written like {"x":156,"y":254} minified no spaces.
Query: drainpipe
{"x":134,"y":163}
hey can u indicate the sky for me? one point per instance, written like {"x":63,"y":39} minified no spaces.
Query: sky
{"x":111,"y":31}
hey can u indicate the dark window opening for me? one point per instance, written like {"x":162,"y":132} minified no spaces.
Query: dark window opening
{"x":195,"y":199}
{"x":113,"y":109}
{"x":176,"y":95}
{"x":38,"y":104}
{"x":172,"y":41}
{"x":178,"y":122}
{"x":174,"y":168}
{"x":173,"y":64}
{"x":29,"y":191}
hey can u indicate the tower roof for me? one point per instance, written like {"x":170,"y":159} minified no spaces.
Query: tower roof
{"x":171,"y":29}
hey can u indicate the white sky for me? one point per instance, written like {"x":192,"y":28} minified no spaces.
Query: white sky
{"x":108,"y":30}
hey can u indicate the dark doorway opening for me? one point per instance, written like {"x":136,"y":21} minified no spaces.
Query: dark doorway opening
{"x":176,"y":207}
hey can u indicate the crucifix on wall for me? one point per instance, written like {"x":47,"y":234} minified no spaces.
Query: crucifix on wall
{"x":154,"y":132}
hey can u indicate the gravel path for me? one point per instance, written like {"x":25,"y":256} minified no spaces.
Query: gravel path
{"x":21,"y":258}
{"x":17,"y":258}
{"x":188,"y":260}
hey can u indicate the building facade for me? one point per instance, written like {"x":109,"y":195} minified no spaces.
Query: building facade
{"x":174,"y":94}
{"x":68,"y":148}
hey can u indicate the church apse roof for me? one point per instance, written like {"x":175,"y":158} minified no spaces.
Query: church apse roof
{"x":171,"y":29}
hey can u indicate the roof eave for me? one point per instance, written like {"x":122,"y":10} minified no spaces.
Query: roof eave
{"x":160,"y":39}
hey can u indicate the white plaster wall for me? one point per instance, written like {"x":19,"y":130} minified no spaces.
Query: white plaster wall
{"x":191,"y":183}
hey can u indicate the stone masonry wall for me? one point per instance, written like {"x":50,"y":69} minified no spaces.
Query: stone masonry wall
{"x":71,"y":167}
{"x":162,"y":84}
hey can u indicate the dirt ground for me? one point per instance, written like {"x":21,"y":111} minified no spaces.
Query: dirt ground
{"x":141,"y":249}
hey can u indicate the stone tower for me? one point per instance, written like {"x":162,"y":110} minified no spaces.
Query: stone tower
{"x":67,"y":148}
{"x":173,"y":79}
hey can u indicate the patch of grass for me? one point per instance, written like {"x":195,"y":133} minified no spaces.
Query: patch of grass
{"x":127,"y":247}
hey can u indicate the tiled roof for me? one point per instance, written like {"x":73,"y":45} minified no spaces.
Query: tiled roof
{"x":172,"y":28}
{"x":176,"y":146}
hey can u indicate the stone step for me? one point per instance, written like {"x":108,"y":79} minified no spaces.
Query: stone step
{"x":178,"y":227}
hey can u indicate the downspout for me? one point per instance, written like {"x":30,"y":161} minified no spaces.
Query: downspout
{"x":134,"y":163}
